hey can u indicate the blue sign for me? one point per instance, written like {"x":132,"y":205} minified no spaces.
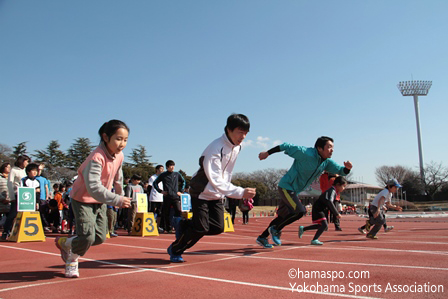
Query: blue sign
{"x":185,"y":200}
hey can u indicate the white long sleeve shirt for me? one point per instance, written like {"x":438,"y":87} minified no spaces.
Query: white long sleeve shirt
{"x":217,"y":162}
{"x":14,"y":181}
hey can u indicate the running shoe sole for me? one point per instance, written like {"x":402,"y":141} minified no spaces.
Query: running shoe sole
{"x":64,"y":254}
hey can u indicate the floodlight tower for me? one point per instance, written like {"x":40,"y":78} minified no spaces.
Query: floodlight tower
{"x":416,"y":88}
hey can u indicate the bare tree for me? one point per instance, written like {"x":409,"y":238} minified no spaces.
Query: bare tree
{"x":269,"y":177}
{"x":436,"y":176}
{"x":385,"y":173}
{"x":350,"y":177}
{"x":5,"y":154}
{"x":413,"y":184}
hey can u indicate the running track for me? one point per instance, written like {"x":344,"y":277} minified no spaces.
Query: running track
{"x":231,"y":265}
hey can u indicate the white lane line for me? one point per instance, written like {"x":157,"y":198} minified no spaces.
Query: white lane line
{"x":257,"y":255}
{"x":69,"y":280}
{"x":432,"y":252}
{"x":348,"y":263}
{"x":386,"y":249}
{"x":161,"y":271}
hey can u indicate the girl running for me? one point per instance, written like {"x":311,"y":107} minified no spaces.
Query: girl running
{"x":91,"y":194}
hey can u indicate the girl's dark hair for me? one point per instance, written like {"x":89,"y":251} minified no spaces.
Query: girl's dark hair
{"x":136,"y":177}
{"x":21,"y":159}
{"x":31,"y":166}
{"x":340,"y":180}
{"x":237,"y":121}
{"x":3,"y":167}
{"x":322,"y":141}
{"x":110,"y":128}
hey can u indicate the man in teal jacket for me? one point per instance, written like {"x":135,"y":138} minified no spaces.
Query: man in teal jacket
{"x":309,"y":163}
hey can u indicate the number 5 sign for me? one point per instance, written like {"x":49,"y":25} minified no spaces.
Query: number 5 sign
{"x":27,"y":227}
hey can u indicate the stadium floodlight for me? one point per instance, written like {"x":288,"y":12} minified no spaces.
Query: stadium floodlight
{"x":416,"y":88}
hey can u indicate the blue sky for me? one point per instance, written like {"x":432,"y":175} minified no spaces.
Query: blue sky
{"x":174,"y":71}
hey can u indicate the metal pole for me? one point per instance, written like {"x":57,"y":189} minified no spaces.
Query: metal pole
{"x":405,"y":200}
{"x":358,"y":194}
{"x":401,"y":189}
{"x":420,"y":150}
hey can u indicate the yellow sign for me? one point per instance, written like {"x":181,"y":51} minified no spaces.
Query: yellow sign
{"x":142,"y":203}
{"x":145,"y":225}
{"x":228,"y":225}
{"x":27,"y":228}
{"x":187,"y":215}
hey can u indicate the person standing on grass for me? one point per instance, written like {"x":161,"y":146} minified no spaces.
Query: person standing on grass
{"x":384,"y":197}
{"x":97,"y":175}
{"x":309,"y":163}
{"x":210,"y":185}
{"x":321,"y":207}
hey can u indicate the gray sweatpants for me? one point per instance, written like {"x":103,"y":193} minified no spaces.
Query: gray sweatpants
{"x":378,"y":221}
{"x":91,"y":226}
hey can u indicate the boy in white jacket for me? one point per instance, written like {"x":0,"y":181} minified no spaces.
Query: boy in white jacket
{"x":210,"y":185}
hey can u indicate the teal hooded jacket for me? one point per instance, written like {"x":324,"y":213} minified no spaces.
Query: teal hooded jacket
{"x":307,"y":166}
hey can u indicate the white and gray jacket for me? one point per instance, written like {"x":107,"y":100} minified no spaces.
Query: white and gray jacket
{"x":213,"y":180}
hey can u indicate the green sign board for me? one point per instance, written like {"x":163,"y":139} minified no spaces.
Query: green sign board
{"x":26,"y":199}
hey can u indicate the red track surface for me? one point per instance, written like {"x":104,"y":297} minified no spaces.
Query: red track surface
{"x":231,"y":265}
